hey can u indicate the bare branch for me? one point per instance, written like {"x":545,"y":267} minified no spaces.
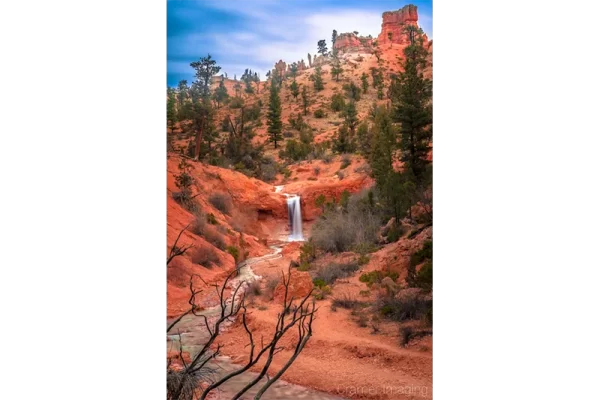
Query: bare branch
{"x":178,"y":251}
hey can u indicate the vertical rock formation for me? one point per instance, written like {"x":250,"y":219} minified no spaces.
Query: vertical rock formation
{"x":309,"y":61}
{"x":394,"y":23}
{"x":280,"y":67}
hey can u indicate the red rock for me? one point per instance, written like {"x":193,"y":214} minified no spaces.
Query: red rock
{"x":394,"y":22}
{"x":300,"y":285}
{"x":350,"y":42}
{"x":175,"y":360}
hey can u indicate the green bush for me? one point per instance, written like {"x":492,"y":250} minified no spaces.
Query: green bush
{"x":424,"y":278}
{"x":337,"y":102}
{"x":210,"y":218}
{"x":395,"y":232}
{"x":234,"y":251}
{"x":319,"y":113}
{"x":320,"y":283}
{"x":363,"y":259}
{"x":426,"y":252}
{"x":346,"y":161}
{"x":404,"y":308}
{"x":308,"y":252}
{"x":376,"y":277}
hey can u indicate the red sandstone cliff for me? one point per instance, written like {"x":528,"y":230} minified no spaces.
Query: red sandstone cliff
{"x":394,"y":23}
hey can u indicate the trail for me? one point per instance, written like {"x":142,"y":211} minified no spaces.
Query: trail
{"x":194,"y":335}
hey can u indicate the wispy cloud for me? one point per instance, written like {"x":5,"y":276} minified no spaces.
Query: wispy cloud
{"x":257,"y":33}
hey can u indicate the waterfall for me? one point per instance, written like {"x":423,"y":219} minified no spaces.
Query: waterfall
{"x":294,"y":218}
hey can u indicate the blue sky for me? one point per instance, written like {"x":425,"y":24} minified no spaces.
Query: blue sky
{"x":257,"y":33}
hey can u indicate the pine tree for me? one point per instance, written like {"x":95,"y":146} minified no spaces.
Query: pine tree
{"x":336,"y":68}
{"x":182,"y":94}
{"x":205,"y":68}
{"x":318,"y":79}
{"x":322,"y":47}
{"x":304,"y":100}
{"x":413,"y":107}
{"x":350,"y":116}
{"x":365,"y":82}
{"x":294,"y":89}
{"x":171,"y":112}
{"x":221,"y":94}
{"x":294,"y":70}
{"x":274,"y":115}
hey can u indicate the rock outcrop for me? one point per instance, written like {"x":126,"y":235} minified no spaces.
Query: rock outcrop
{"x":351,"y":43}
{"x":394,"y":23}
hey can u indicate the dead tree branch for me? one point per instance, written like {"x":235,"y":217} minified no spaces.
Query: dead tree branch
{"x":300,"y":316}
{"x":178,"y":251}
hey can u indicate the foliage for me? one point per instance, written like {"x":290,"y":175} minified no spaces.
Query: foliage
{"x":294,"y":89}
{"x":322,"y":47}
{"x":234,"y":251}
{"x":319,"y":113}
{"x":205,"y":68}
{"x":274,"y":116}
{"x":205,"y":256}
{"x":365,"y":82}
{"x":331,"y":272}
{"x":352,"y":91}
{"x":317,"y":79}
{"x":337,"y":102}
{"x":304,"y":100}
{"x":377,"y":276}
{"x":221,"y":202}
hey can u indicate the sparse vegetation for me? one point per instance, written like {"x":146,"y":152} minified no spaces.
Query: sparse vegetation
{"x":234,"y":251}
{"x":331,"y":272}
{"x":205,"y":256}
{"x":221,"y":202}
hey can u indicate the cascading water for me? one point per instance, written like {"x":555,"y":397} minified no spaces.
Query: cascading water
{"x":295,"y":218}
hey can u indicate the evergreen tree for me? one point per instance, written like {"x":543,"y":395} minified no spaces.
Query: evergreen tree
{"x":344,"y":141}
{"x":334,"y":36}
{"x":364,"y":138}
{"x":221,"y":95}
{"x":171,"y":112}
{"x":294,"y":89}
{"x":318,"y":79}
{"x":350,"y":116}
{"x":336,"y":68}
{"x":413,"y":107}
{"x":294,"y":70}
{"x":182,"y":94}
{"x":205,"y":68}
{"x":365,"y":82}
{"x":304,"y":100}
{"x":274,"y":115}
{"x":236,"y":86}
{"x":322,"y":47}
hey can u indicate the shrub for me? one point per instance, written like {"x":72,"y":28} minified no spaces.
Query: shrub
{"x":198,"y":227}
{"x":426,"y":252}
{"x":221,"y":202}
{"x":236,"y":102}
{"x":364,"y":293}
{"x":362,"y":320}
{"x":404,"y":308}
{"x":341,"y":230}
{"x":317,"y":171}
{"x":308,"y":252}
{"x":376,"y":277}
{"x":346,"y":301}
{"x":234,"y":251}
{"x":394,"y":233}
{"x":340,"y":174}
{"x":424,"y":278}
{"x":363,"y":259}
{"x":184,"y":198}
{"x":327,"y":158}
{"x":319,"y":113}
{"x":270,"y":287}
{"x":337,"y":102}
{"x":254,"y":289}
{"x":321,"y":293}
{"x":352,"y":91}
{"x":405,"y":335}
{"x":331,"y":272}
{"x":320,"y":283}
{"x":210,"y":218}
{"x":304,"y":266}
{"x":206,"y":256}
{"x":214,"y":238}
{"x":346,"y":161}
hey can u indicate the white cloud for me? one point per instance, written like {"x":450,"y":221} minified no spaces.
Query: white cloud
{"x":270,"y":34}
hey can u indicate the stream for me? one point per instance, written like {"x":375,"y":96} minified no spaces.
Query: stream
{"x":194,"y":335}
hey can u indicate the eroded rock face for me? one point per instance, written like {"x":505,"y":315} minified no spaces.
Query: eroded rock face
{"x":300,"y":285}
{"x":350,"y":42}
{"x":394,"y":23}
{"x":331,"y":189}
